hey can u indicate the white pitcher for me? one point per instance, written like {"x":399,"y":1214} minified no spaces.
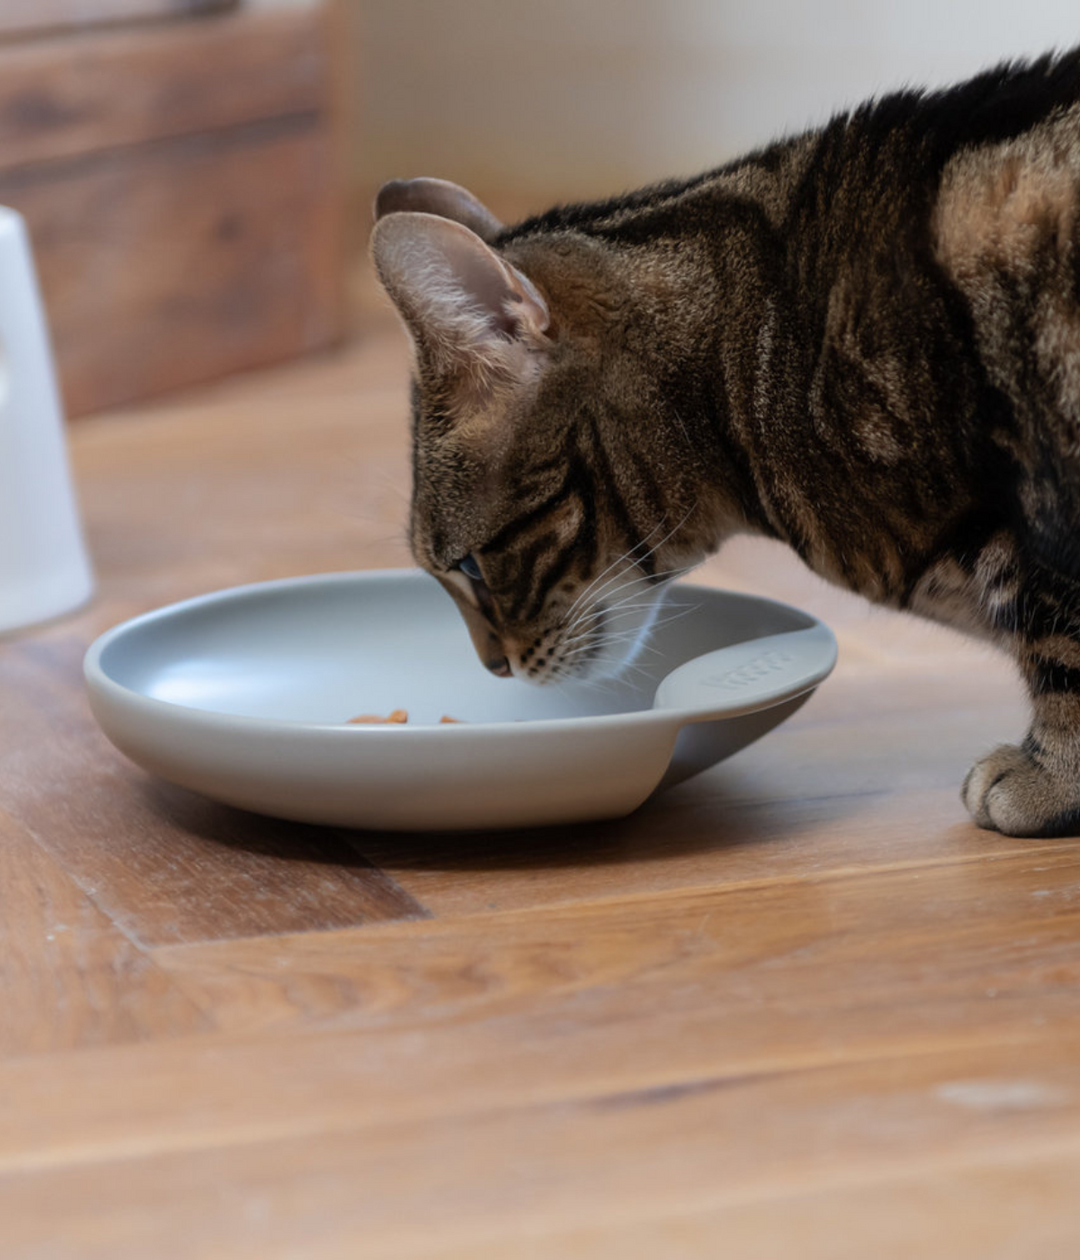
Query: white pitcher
{"x":44,"y":568}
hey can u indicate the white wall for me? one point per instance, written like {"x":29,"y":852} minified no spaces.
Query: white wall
{"x":559,"y":98}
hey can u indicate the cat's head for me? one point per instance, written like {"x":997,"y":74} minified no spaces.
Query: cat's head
{"x":536,"y":501}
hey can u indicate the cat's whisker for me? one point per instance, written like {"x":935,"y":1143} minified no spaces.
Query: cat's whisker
{"x":664,"y":576}
{"x":682,"y":428}
{"x":596,"y":648}
{"x":587,"y":622}
{"x":636,"y":561}
{"x":600,"y":628}
{"x":653,"y":626}
{"x":666,"y":621}
{"x":616,"y":639}
{"x":668,"y":536}
{"x":611,"y":609}
{"x":595,"y":641}
{"x":653,"y":583}
{"x":582,"y":605}
{"x":604,"y":639}
{"x":596,"y":631}
{"x":594,"y":634}
{"x":627,"y":555}
{"x":656,"y":596}
{"x":638,"y":581}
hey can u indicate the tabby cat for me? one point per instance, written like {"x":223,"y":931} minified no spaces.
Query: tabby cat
{"x":864,"y":341}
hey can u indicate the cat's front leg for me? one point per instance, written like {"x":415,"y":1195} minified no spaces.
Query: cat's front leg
{"x":1034,"y":789}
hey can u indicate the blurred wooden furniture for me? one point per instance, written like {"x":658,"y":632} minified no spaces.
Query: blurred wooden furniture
{"x":797,"y":1008}
{"x":182,"y":184}
{"x":21,"y":16}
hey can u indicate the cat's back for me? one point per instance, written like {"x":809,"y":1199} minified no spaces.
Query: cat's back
{"x":1009,"y":196}
{"x":1006,"y":231}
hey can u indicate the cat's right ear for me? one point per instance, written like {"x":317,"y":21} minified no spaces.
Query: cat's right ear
{"x":469,"y":310}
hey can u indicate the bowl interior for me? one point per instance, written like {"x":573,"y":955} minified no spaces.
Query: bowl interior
{"x":325,"y":649}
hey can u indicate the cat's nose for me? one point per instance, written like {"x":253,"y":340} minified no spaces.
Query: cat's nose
{"x":499,"y":666}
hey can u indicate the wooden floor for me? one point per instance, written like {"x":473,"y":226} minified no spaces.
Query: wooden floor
{"x":798,"y":1007}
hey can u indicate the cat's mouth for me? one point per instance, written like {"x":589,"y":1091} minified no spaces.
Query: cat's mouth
{"x":551,"y":657}
{"x":589,"y":641}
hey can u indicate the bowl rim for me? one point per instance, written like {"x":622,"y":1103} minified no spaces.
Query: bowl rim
{"x":100,"y":683}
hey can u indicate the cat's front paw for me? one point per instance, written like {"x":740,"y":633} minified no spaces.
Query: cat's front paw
{"x":1008,"y":791}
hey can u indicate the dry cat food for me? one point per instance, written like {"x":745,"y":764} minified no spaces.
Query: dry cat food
{"x":397,"y":718}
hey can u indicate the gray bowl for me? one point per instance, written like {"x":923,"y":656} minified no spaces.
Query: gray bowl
{"x":245,"y":696}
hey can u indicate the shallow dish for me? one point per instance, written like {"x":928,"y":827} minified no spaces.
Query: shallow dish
{"x":244,"y":695}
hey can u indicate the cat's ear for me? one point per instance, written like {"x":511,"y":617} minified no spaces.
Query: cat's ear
{"x":437,"y":196}
{"x":466,"y":307}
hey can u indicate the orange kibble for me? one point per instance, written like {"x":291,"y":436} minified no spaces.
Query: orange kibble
{"x":398,"y":718}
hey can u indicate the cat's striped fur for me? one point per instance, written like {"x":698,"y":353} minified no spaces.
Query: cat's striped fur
{"x":864,"y":341}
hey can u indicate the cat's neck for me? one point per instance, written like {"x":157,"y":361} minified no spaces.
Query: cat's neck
{"x":715,"y":302}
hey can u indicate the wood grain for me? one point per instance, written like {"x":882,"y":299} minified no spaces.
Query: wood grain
{"x":485,"y":1171}
{"x":943,"y":1208}
{"x":799,"y":1006}
{"x":182,"y":186}
{"x":205,"y":255}
{"x":59,"y":99}
{"x":698,"y":1001}
{"x":775,"y":955}
{"x":68,"y":977}
{"x":18,"y":17}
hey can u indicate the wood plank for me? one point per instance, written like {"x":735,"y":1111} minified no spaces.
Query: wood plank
{"x":22,"y":17}
{"x":1001,"y":1208}
{"x":59,"y":98}
{"x":208,"y":255}
{"x":191,"y":225}
{"x":68,"y":977}
{"x":862,"y":949}
{"x":392,"y":1184}
{"x":163,"y":864}
{"x":725,"y":989}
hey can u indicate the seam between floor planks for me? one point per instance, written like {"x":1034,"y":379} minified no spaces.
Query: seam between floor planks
{"x":206,"y":971}
{"x":427,"y":922}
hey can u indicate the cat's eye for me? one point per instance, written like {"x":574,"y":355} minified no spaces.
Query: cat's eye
{"x":468,"y":566}
{"x":481,"y":593}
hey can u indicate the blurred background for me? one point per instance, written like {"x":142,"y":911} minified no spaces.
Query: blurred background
{"x":196,"y":174}
{"x":582,"y":97}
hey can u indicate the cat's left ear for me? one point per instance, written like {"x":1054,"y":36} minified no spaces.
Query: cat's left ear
{"x":466,"y":306}
{"x":437,"y":196}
